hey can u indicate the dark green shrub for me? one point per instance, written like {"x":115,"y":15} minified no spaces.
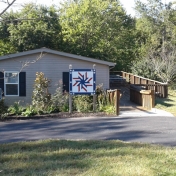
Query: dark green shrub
{"x":41,"y":97}
{"x":3,"y":108}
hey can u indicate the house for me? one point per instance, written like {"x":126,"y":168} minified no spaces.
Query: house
{"x":18,"y":71}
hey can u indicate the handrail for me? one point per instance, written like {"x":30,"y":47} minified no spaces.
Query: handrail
{"x":161,"y":89}
{"x":114,"y":98}
{"x":145,"y":98}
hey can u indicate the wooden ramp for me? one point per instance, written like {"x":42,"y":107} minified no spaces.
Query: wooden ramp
{"x":125,"y":103}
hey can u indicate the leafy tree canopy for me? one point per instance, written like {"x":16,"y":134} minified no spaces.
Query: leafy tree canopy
{"x":99,"y":29}
{"x":156,"y":27}
{"x":33,"y":27}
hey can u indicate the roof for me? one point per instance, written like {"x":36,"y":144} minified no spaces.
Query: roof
{"x":46,"y":50}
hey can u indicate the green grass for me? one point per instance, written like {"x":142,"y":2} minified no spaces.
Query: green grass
{"x":86,"y":158}
{"x":167,"y":104}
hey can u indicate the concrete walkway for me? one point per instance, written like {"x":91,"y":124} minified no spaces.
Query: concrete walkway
{"x":128,"y":108}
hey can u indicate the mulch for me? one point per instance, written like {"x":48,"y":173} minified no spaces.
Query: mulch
{"x":58,"y":115}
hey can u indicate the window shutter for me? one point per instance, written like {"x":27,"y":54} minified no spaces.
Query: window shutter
{"x":22,"y":84}
{"x":2,"y":82}
{"x":65,"y":78}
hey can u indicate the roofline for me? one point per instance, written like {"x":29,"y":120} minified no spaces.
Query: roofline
{"x":46,"y":50}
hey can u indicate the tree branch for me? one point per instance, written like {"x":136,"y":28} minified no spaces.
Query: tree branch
{"x":9,"y":5}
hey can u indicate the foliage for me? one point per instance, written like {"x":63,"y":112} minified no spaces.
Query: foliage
{"x":16,"y":109}
{"x":157,"y":31}
{"x":99,"y":29}
{"x":59,"y":99}
{"x":83,"y":103}
{"x":41,"y":97}
{"x":35,"y":26}
{"x":29,"y":111}
{"x":109,"y":109}
{"x":6,"y":48}
{"x":3,"y":108}
{"x":103,"y":101}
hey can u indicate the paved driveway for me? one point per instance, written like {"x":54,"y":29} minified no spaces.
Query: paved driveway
{"x":151,"y":129}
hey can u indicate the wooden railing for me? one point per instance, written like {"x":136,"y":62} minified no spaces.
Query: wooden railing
{"x":160,"y":89}
{"x":145,"y":98}
{"x":114,"y":98}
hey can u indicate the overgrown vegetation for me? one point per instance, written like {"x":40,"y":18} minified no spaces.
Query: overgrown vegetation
{"x":96,"y":158}
{"x":45,"y":103}
{"x":84,"y":103}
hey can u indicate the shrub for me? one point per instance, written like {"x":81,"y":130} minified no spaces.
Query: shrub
{"x":41,"y":97}
{"x":3,"y":108}
{"x":103,"y":103}
{"x":59,"y":100}
{"x":30,"y":111}
{"x":82,"y":103}
{"x":16,"y":109}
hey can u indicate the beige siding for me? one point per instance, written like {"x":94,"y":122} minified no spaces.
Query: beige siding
{"x":52,"y":66}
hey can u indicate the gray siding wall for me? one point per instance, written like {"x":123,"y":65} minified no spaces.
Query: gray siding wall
{"x":52,"y":66}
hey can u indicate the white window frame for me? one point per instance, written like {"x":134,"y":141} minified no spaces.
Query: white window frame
{"x":10,"y":83}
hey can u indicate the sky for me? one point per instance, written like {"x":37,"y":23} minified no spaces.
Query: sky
{"x":127,"y":4}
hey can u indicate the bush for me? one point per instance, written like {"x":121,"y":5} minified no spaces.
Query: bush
{"x":3,"y":108}
{"x":83,"y":103}
{"x":16,"y":109}
{"x":59,"y":100}
{"x":103,"y":102}
{"x":41,"y":97}
{"x":30,"y":111}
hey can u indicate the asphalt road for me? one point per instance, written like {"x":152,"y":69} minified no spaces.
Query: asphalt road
{"x":155,"y":130}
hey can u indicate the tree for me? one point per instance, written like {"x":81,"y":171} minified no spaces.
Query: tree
{"x":8,"y":5}
{"x":100,"y":29}
{"x":33,"y":27}
{"x":157,"y":29}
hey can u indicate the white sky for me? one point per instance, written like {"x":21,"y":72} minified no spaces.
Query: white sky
{"x":127,"y":4}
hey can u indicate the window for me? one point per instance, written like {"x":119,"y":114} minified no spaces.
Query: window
{"x":11,"y":83}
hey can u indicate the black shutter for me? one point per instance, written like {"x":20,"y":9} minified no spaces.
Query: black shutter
{"x":65,"y":78}
{"x":2,"y":81}
{"x":22,"y":84}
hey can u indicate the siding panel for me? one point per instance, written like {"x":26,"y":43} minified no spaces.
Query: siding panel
{"x":53,"y":67}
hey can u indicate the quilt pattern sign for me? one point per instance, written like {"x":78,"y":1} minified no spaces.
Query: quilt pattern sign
{"x":82,"y":81}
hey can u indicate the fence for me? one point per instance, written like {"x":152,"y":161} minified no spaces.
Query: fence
{"x":145,"y":98}
{"x":160,"y":89}
{"x":114,"y":98}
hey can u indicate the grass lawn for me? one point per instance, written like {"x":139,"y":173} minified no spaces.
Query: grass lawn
{"x":167,"y":104}
{"x":86,"y":158}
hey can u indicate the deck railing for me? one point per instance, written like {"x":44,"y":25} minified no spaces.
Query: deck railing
{"x":114,"y":98}
{"x":160,"y":89}
{"x":145,"y":98}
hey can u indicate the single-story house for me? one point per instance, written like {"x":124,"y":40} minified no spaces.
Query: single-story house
{"x":18,"y":71}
